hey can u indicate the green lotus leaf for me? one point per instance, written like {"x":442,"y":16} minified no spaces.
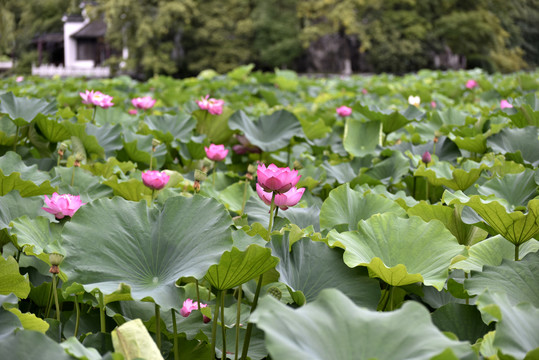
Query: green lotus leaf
{"x":84,"y":183}
{"x":9,"y":322}
{"x":24,"y":110}
{"x":11,"y":281}
{"x":12,"y":206}
{"x":517,"y":324}
{"x":476,"y":143}
{"x":28,"y":180}
{"x":216,"y":127}
{"x":492,"y":251}
{"x":521,"y":144}
{"x":233,"y":195}
{"x":517,"y":227}
{"x":361,"y":138}
{"x":132,"y":189}
{"x":356,"y":333}
{"x":310,"y":267}
{"x":73,"y":347}
{"x":8,"y":131}
{"x":109,"y":168}
{"x":242,"y":240}
{"x":139,"y":147}
{"x":237,"y":267}
{"x":391,"y":120}
{"x":29,"y":321}
{"x":519,"y":279}
{"x":345,"y":206}
{"x":462,"y":320}
{"x":312,"y":125}
{"x":133,"y":341}
{"x":451,"y":116}
{"x":399,"y":197}
{"x":340,"y":173}
{"x":35,"y":236}
{"x":307,"y":217}
{"x":108,"y":137}
{"x":87,"y":138}
{"x":31,"y":345}
{"x":466,"y":234}
{"x":400,"y":251}
{"x":144,"y":248}
{"x":167,"y":128}
{"x":53,"y":130}
{"x":115,"y":115}
{"x":269,"y":132}
{"x":443,"y":173}
{"x":516,"y":189}
{"x":525,"y":112}
{"x":387,"y":171}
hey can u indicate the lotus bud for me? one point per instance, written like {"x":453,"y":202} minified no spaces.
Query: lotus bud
{"x":426,"y":158}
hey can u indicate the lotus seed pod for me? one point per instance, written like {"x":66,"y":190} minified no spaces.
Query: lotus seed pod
{"x":200,"y":175}
{"x":275,"y":292}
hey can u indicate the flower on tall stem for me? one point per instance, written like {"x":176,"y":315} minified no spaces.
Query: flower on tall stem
{"x":276,"y":179}
{"x":144,"y":103}
{"x":344,"y":111}
{"x":283,"y":201}
{"x":216,"y":152}
{"x":414,"y":100}
{"x":155,"y":180}
{"x":426,"y":158}
{"x":470,"y":84}
{"x":62,"y":205}
{"x":96,"y":98}
{"x":213,"y":106}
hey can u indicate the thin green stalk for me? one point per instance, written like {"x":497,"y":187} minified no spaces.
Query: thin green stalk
{"x":214,"y":325}
{"x":517,"y":246}
{"x":381,"y":135}
{"x":238,"y":316}
{"x":151,"y":160}
{"x":244,"y":201}
{"x":77,"y":309}
{"x":18,"y":255}
{"x":434,"y":148}
{"x":271,"y":215}
{"x":158,"y":326}
{"x":102,"y":312}
{"x":16,"y":139}
{"x":73,"y":176}
{"x":93,"y":116}
{"x":198,"y":294}
{"x":427,"y":191}
{"x":467,"y":298}
{"x":49,"y":303}
{"x":214,"y":175}
{"x":55,"y":293}
{"x":288,"y":155}
{"x":415,"y":186}
{"x":58,"y":160}
{"x":387,"y":296}
{"x":250,"y":324}
{"x":175,"y":332}
{"x":223,"y":327}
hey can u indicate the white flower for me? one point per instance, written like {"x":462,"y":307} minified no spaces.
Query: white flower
{"x":414,"y":100}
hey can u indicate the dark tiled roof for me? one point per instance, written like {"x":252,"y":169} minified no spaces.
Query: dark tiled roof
{"x":49,"y":38}
{"x":94,"y":29}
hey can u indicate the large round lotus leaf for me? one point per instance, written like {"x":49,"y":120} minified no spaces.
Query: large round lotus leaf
{"x":522,"y":144}
{"x":167,"y":128}
{"x":113,"y":241}
{"x":519,"y":279}
{"x":269,"y":132}
{"x":388,"y":171}
{"x":108,"y":137}
{"x":8,"y":323}
{"x":517,"y":324}
{"x":24,"y":110}
{"x":492,"y":251}
{"x":11,"y":281}
{"x":399,"y":197}
{"x":400,"y":251}
{"x":516,"y":189}
{"x":74,"y":348}
{"x":303,"y":217}
{"x":28,"y":180}
{"x":346,"y":207}
{"x":517,"y":227}
{"x":462,"y":320}
{"x":361,"y":138}
{"x":84,"y":183}
{"x":310,"y":267}
{"x":31,"y":345}
{"x":333,"y":327}
{"x":215,"y":127}
{"x":442,"y":173}
{"x":51,"y":129}
{"x":466,"y":234}
{"x":139,"y":148}
{"x":392,"y":120}
{"x":525,"y":112}
{"x":237,"y":267}
{"x":37,"y":235}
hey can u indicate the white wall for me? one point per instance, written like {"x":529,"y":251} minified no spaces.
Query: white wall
{"x":70,"y":45}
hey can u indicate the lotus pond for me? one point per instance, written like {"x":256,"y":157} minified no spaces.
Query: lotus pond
{"x":399,"y":220}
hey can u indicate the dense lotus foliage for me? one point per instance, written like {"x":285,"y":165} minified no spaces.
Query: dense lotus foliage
{"x":399,"y":220}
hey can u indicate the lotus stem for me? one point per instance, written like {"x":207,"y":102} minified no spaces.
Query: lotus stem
{"x":244,"y":201}
{"x":158,"y":326}
{"x":151,"y":160}
{"x":250,"y":324}
{"x":198,"y":294}
{"x":467,"y":298}
{"x":517,"y":252}
{"x":102,"y":312}
{"x":238,"y":316}
{"x":49,"y":303}
{"x":214,"y":325}
{"x":427,"y":191}
{"x":73,"y":176}
{"x":16,"y":139}
{"x":93,"y":116}
{"x":271,"y":215}
{"x":55,"y":293}
{"x":175,"y":331}
{"x":214,"y":175}
{"x":387,"y":296}
{"x":381,"y":136}
{"x":288,"y":155}
{"x":223,"y":327}
{"x":77,"y":309}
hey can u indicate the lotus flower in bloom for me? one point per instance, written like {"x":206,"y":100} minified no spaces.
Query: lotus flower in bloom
{"x":433,"y":104}
{"x":364,"y":91}
{"x":214,"y":106}
{"x":144,"y":103}
{"x":216,"y":152}
{"x":19,"y":79}
{"x":62,"y":205}
{"x":414,"y":100}
{"x":276,"y":179}
{"x":96,"y":98}
{"x":504,"y":104}
{"x":190,"y":305}
{"x":344,"y":111}
{"x":426,"y":158}
{"x":470,"y":84}
{"x":283,"y":201}
{"x":132,"y":111}
{"x":154,"y":179}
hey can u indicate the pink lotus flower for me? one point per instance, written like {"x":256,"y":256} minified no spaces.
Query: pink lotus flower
{"x":214,"y":106}
{"x":426,"y":158}
{"x":276,"y":179}
{"x":96,"y":98}
{"x":62,"y":205}
{"x":154,"y":179}
{"x":190,"y":305}
{"x":19,"y":79}
{"x":433,"y":104}
{"x":144,"y":103}
{"x":132,"y":111}
{"x":344,"y":111}
{"x":283,"y":201}
{"x":504,"y":104}
{"x":364,"y":91}
{"x":216,"y":152}
{"x":470,"y":84}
